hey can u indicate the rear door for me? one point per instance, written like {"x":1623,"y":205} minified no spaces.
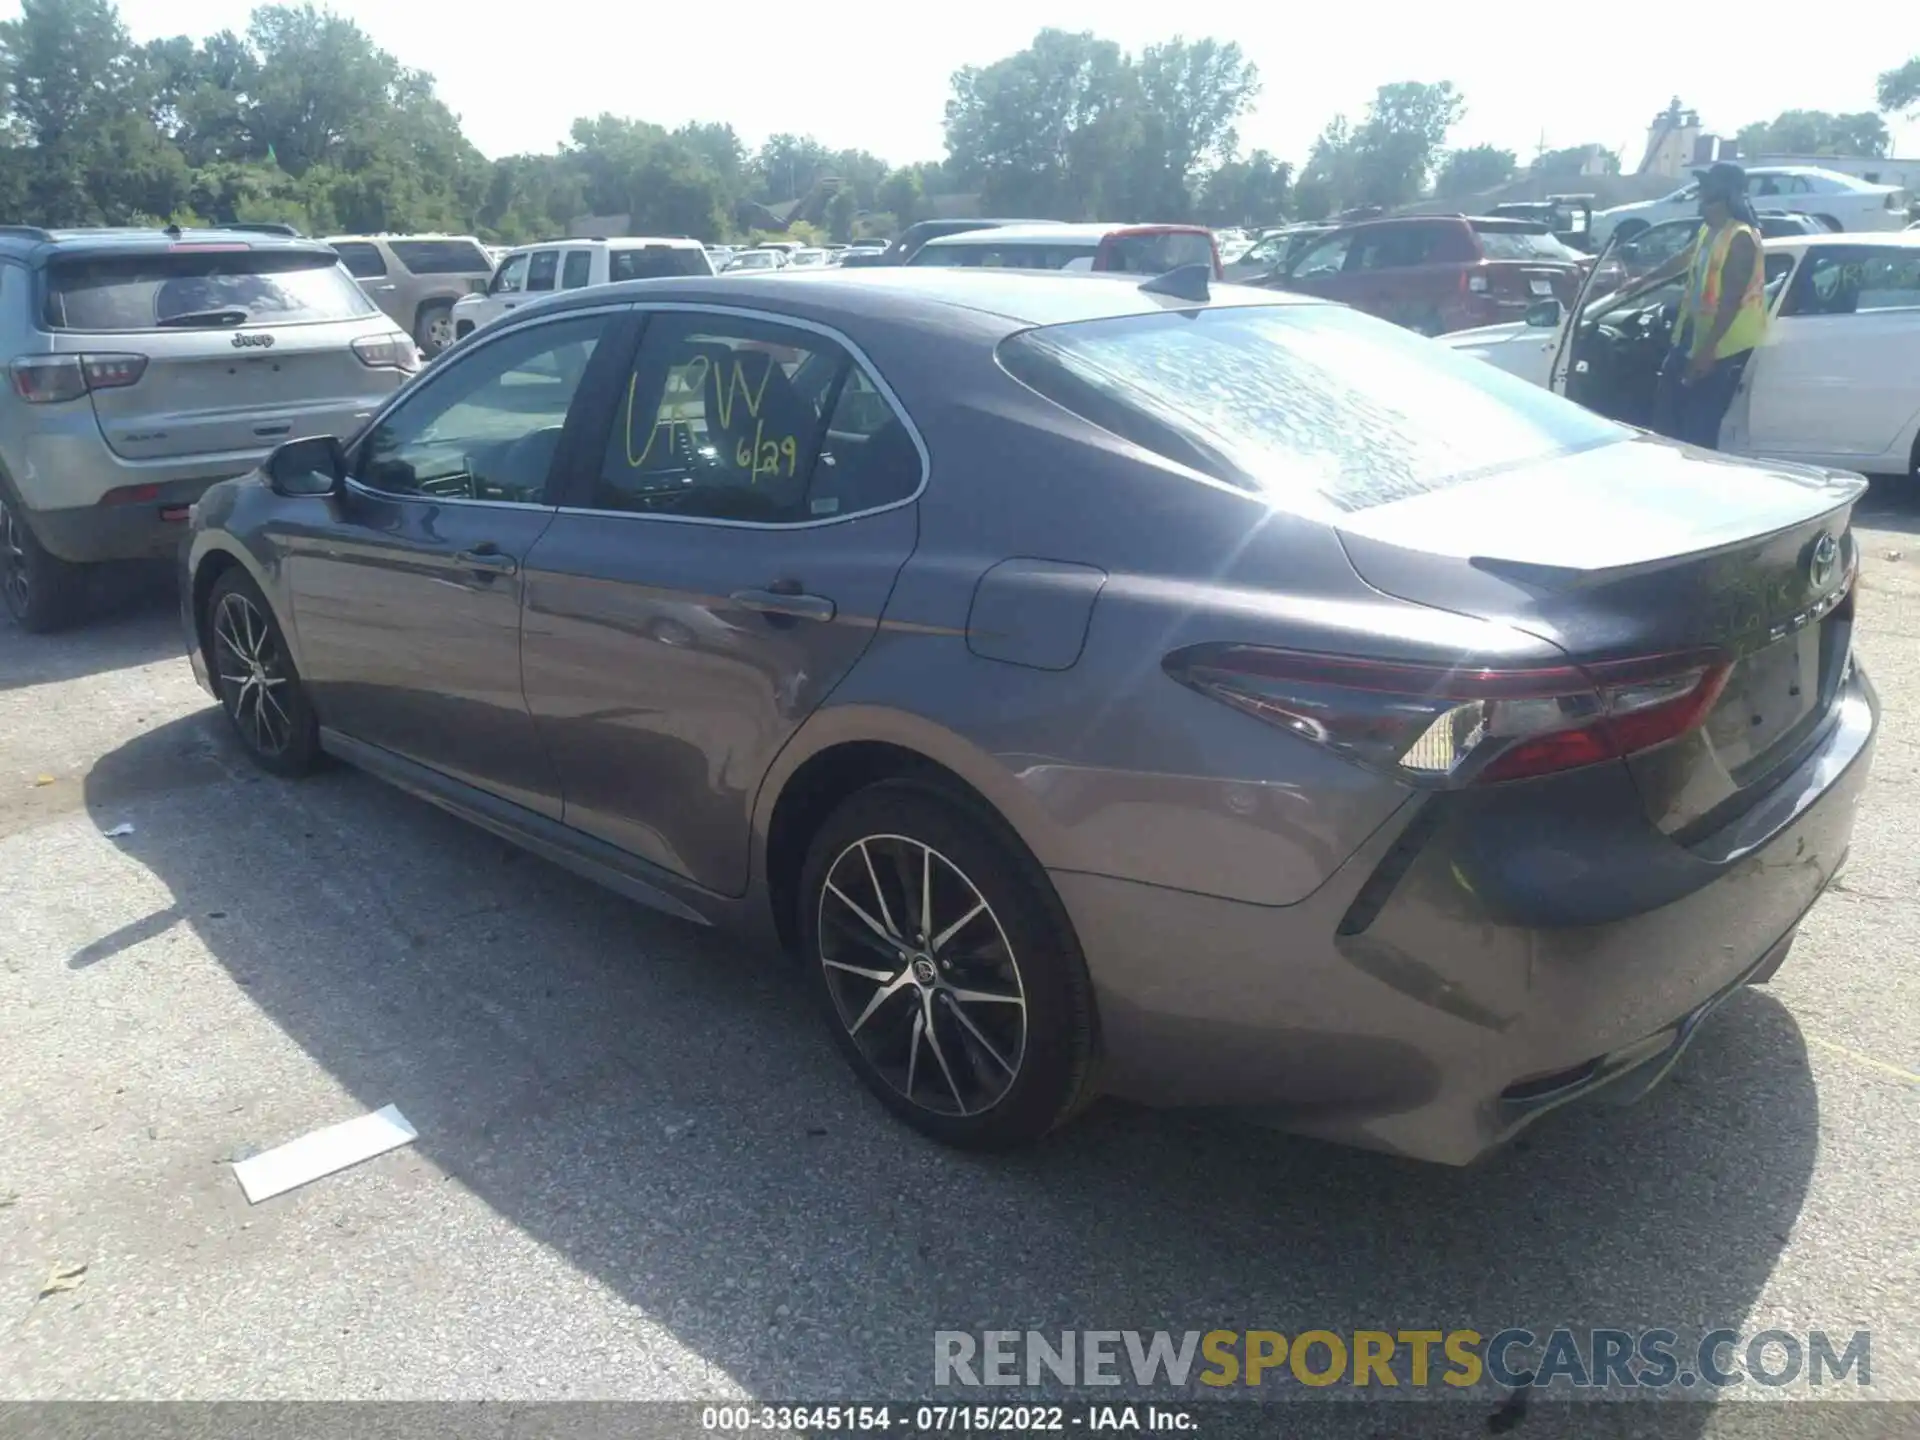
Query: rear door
{"x":1839,"y":375}
{"x":235,"y":347}
{"x":1321,"y":268}
{"x":1387,"y":274}
{"x":720,"y":560}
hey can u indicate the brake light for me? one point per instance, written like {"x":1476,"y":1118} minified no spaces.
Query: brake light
{"x":1459,"y":725}
{"x":390,"y":352}
{"x":49,"y":379}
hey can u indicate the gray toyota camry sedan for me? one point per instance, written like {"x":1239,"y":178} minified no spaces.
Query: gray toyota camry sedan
{"x":1102,"y":685}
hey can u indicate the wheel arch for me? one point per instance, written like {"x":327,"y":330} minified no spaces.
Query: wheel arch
{"x":841,"y":751}
{"x":212,"y":563}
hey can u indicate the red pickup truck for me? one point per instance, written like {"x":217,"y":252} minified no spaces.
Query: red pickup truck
{"x":1436,"y":273}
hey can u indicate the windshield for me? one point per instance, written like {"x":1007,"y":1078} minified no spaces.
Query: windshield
{"x":187,"y":289}
{"x":1312,"y":406}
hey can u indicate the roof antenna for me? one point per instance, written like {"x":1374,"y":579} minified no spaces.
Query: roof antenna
{"x":1185,"y":282}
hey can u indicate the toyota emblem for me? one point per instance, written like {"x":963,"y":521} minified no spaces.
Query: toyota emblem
{"x":1823,"y":560}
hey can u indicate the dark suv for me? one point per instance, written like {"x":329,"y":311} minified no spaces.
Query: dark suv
{"x":1436,"y":273}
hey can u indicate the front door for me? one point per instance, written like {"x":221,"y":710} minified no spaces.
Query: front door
{"x":734,"y":543}
{"x":407,"y":601}
{"x":1839,"y":375}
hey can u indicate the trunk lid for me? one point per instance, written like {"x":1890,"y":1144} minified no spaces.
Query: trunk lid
{"x":210,"y":398}
{"x":1642,"y":548}
{"x":243,"y":346}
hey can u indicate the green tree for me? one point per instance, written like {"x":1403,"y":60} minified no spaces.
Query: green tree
{"x":1191,"y":97}
{"x":901,"y":195}
{"x":1388,"y":157}
{"x":1254,"y":191}
{"x":1899,"y":88}
{"x":1572,"y":162}
{"x":1472,"y":171}
{"x":787,"y":166}
{"x":1816,"y":132}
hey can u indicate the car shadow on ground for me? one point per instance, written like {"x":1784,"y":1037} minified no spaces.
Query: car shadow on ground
{"x":662,"y":1108}
{"x":1892,"y":503}
{"x":131,"y":617}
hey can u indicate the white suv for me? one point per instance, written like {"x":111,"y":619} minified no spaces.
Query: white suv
{"x":535,"y":270}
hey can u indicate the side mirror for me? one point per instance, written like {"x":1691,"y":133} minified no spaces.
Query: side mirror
{"x":311,"y":466}
{"x":1544,"y":315}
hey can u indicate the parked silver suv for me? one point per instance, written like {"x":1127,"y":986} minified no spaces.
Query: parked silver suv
{"x":144,"y":365}
{"x":417,"y":278}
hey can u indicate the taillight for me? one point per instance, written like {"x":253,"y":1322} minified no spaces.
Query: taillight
{"x":390,"y":352}
{"x":1461,"y":725}
{"x":49,"y":379}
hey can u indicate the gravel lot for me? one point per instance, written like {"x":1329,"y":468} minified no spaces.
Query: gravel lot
{"x":642,"y":1171}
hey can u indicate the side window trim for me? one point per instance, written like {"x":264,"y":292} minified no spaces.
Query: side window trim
{"x":619,"y":338}
{"x":583,"y":452}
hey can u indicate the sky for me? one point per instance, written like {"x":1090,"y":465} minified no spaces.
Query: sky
{"x":518,"y":75}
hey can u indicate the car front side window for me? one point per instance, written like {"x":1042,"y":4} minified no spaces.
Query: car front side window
{"x":488,"y":428}
{"x":730,"y":418}
{"x":1326,"y":258}
{"x":511,"y":277}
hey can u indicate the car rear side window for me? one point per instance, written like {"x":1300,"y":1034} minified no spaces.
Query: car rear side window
{"x":441,"y":257}
{"x":737,"y":419}
{"x":1155,"y":254}
{"x":648,"y":262}
{"x":577,"y":270}
{"x":1854,"y":280}
{"x":542,"y":269}
{"x":1315,"y":407}
{"x":362,"y":259}
{"x":194,"y":289}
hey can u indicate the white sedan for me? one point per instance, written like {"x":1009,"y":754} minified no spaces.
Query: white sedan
{"x":1836,"y":382}
{"x":1843,"y":201}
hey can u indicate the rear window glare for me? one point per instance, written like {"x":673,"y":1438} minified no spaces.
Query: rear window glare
{"x":1315,"y":407}
{"x":650,"y":262}
{"x":441,"y":257}
{"x":1502,"y":242}
{"x":199,"y":289}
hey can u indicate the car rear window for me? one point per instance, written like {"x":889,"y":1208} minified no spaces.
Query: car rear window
{"x":1316,"y":407}
{"x":186,"y":289}
{"x":649,"y":262}
{"x":441,"y":257}
{"x":1157,"y":254}
{"x":1018,"y":255}
{"x":1506,"y":242}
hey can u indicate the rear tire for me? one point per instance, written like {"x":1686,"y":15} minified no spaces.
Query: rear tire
{"x":42,"y":592}
{"x":974,"y":1026}
{"x":254,"y":676}
{"x":433,"y":331}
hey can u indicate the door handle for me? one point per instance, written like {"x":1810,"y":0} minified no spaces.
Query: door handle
{"x":785,"y":604}
{"x":487,"y":559}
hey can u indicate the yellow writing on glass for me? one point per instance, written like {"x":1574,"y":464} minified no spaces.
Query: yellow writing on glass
{"x":692,"y":378}
{"x":762,"y":456}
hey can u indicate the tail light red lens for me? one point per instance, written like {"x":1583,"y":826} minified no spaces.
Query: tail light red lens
{"x":50,"y":379}
{"x":393,"y":352}
{"x":1460,"y":725}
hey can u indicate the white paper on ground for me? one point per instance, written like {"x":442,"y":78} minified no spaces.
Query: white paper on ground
{"x":324,"y":1151}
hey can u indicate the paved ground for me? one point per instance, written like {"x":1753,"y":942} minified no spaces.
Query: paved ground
{"x":643,"y":1172}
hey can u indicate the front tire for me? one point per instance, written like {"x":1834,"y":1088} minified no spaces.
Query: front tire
{"x":42,"y":592}
{"x":254,"y":676}
{"x":946,"y":969}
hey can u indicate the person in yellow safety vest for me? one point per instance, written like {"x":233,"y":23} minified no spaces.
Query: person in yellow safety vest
{"x":1723,"y":314}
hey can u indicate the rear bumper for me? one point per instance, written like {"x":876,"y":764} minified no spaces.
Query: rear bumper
{"x":149,"y":529}
{"x":1409,"y":1006}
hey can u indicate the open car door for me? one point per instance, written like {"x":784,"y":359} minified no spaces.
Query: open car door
{"x":1603,"y":277}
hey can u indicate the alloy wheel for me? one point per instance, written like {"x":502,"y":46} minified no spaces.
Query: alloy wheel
{"x":439,"y":331}
{"x":922,"y":975}
{"x":253,"y":674}
{"x":15,"y":582}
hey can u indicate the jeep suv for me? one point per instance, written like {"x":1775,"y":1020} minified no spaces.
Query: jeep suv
{"x":417,"y":278}
{"x":146,"y":364}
